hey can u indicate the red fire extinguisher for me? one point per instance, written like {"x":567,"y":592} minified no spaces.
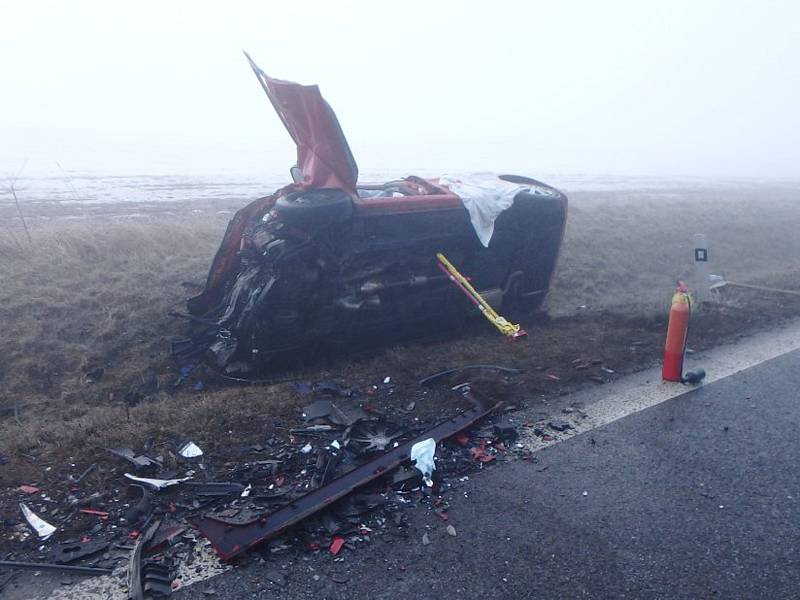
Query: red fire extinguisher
{"x":677,"y":329}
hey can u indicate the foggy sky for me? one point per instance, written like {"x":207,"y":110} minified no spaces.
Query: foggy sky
{"x":667,"y":88}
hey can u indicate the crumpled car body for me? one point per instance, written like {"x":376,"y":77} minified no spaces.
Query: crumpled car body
{"x":327,"y":261}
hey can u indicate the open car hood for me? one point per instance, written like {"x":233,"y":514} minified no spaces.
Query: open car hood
{"x":323,"y":155}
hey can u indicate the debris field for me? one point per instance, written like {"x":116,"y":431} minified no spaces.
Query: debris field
{"x":349,"y":470}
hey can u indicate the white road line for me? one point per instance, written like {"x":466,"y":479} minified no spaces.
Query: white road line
{"x":645,"y":389}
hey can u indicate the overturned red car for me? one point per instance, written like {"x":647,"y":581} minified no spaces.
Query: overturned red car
{"x":328,"y":261}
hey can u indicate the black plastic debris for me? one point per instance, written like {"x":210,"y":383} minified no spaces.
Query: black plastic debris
{"x":318,"y":410}
{"x":331,"y":388}
{"x":67,"y":552}
{"x":560,"y":425}
{"x":694,"y":377}
{"x":135,"y":583}
{"x":83,"y":475}
{"x":504,"y":430}
{"x":157,"y":580}
{"x":215,"y":488}
{"x":142,"y":509}
{"x":138,"y":461}
{"x":38,"y":566}
{"x":147,"y":579}
{"x":234,"y":532}
{"x":302,"y":387}
{"x":432,"y":379}
{"x":406,"y":479}
{"x":373,"y":436}
{"x":342,"y":414}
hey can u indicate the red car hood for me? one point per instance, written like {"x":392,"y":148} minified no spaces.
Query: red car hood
{"x":322,"y":151}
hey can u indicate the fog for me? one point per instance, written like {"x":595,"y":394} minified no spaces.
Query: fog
{"x":639,"y":88}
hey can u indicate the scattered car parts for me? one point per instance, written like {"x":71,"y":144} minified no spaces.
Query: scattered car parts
{"x":138,"y":461}
{"x":142,"y":509}
{"x":340,"y":413}
{"x":156,"y":484}
{"x":230,"y":539}
{"x":42,"y":528}
{"x":67,"y":552}
{"x":432,"y":379}
{"x":37,"y":566}
{"x":215,"y":488}
{"x":365,"y":437}
{"x":190,"y":450}
{"x":136,"y":585}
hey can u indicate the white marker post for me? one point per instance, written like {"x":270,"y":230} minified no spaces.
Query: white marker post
{"x":702,"y":286}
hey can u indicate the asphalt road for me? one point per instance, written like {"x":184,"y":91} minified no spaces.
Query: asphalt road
{"x":697,"y":497}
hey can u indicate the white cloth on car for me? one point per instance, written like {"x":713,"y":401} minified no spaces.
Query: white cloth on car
{"x":485,"y":196}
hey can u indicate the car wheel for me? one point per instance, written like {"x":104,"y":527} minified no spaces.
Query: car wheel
{"x":314,"y":208}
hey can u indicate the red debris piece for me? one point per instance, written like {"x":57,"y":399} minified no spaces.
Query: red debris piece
{"x":313,"y":546}
{"x":98,"y":513}
{"x":462,"y":438}
{"x":441,"y":514}
{"x":480,"y":453}
{"x":280,"y":480}
{"x":29,"y":489}
{"x":336,"y":545}
{"x":500,"y":446}
{"x":133,"y":535}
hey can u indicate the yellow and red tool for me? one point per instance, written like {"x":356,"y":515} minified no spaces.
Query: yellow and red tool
{"x":510,"y":330}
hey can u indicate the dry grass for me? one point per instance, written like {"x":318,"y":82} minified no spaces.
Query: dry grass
{"x":90,"y":295}
{"x":624,"y":250}
{"x":96,"y":293}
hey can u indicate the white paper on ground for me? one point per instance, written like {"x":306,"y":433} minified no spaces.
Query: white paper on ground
{"x":42,"y":527}
{"x":190,"y":450}
{"x":422,"y":457}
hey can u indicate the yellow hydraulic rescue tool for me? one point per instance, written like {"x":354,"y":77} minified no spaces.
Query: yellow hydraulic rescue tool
{"x":511,"y":331}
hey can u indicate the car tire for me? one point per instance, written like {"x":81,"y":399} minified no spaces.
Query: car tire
{"x":314,"y":208}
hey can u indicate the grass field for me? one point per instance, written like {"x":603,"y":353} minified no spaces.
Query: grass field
{"x":94,"y":293}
